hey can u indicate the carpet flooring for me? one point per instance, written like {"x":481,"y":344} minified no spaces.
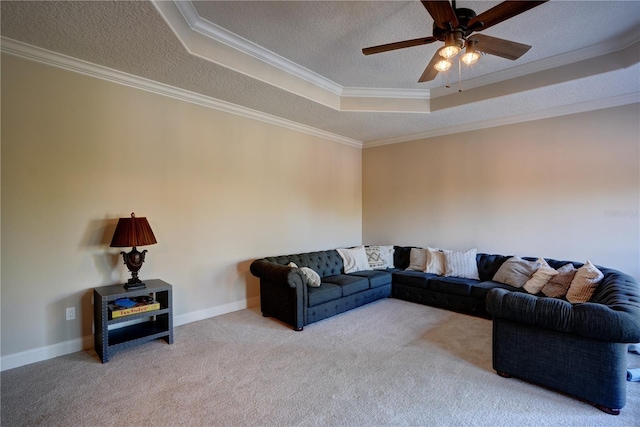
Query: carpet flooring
{"x":388,"y":363}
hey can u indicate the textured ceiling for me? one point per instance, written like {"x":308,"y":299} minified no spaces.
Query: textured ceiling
{"x":590,"y":46}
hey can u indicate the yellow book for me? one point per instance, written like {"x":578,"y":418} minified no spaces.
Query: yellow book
{"x":117,"y":311}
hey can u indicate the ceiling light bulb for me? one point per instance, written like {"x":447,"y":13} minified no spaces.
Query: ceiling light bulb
{"x":449,"y":51}
{"x":452,"y":45}
{"x":470,"y":58}
{"x":442,"y":65}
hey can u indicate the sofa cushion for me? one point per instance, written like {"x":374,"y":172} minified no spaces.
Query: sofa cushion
{"x":376,"y":278}
{"x":401,"y":256}
{"x":481,"y":289}
{"x":584,"y":283}
{"x":354,"y":259}
{"x":324,"y":293}
{"x":350,"y":284}
{"x":452,"y":285}
{"x":325,"y":263}
{"x":515,"y":272}
{"x":416,"y":279}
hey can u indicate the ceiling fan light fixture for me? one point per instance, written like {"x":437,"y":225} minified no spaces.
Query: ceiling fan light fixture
{"x":471,"y":55}
{"x":452,"y":46}
{"x":442,"y":65}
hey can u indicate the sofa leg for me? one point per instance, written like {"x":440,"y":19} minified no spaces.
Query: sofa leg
{"x":503,"y":374}
{"x":298,"y":329}
{"x":610,"y":411}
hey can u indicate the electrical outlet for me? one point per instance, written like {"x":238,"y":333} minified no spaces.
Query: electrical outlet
{"x":71,"y":313}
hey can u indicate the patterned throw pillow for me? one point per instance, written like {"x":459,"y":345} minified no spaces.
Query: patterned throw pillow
{"x":584,"y":283}
{"x":543,"y":274}
{"x":417,"y":259}
{"x":380,"y":257}
{"x":461,"y":264}
{"x":558,"y":286}
{"x":515,"y":272}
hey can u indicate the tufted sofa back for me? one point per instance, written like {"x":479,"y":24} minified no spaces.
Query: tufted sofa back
{"x":325,"y":263}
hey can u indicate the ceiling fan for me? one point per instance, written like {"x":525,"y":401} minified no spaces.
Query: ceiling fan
{"x":454,"y":26}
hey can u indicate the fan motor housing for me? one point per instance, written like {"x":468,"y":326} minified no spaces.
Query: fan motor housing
{"x":463,"y":15}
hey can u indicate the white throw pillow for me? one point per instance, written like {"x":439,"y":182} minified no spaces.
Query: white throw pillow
{"x":461,"y":264}
{"x":313,"y":278}
{"x":417,"y":259}
{"x":435,"y":262}
{"x":541,"y":277}
{"x":584,"y":283}
{"x":354,"y":259}
{"x":380,"y":257}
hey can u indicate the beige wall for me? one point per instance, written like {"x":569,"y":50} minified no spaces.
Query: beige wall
{"x":219,"y":190}
{"x":566,"y":188}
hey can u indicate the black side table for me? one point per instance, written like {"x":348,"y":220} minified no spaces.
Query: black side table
{"x":158,"y":323}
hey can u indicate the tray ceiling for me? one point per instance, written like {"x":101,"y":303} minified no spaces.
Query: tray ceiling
{"x":299,"y":63}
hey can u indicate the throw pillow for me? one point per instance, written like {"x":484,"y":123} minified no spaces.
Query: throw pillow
{"x":515,"y":272}
{"x":461,"y":264}
{"x":584,"y":283}
{"x":543,"y":274}
{"x":313,"y":278}
{"x":380,"y":257}
{"x":558,"y":286}
{"x":417,"y":259}
{"x":354,"y":259}
{"x":435,"y":261}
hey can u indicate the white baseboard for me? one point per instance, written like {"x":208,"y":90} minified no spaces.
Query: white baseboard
{"x":27,"y":357}
{"x":183,"y":319}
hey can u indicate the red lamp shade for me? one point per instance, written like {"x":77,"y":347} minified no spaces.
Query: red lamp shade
{"x":132,"y":232}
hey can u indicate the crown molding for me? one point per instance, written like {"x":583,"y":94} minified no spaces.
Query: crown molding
{"x":211,"y":42}
{"x":371,"y":99}
{"x":33,"y":53}
{"x":247,"y":47}
{"x":563,"y":110}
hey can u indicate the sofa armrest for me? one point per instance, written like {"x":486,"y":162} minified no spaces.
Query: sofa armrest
{"x":281,"y":275}
{"x":590,"y":320}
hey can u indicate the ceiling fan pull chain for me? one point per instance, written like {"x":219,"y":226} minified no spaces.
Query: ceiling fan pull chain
{"x":459,"y":76}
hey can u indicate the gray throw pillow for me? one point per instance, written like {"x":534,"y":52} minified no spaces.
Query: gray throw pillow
{"x":515,"y":272}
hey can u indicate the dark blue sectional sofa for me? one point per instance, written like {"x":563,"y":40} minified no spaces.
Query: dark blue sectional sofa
{"x":578,"y":349}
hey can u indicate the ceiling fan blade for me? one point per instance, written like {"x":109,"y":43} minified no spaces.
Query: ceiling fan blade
{"x":501,"y":12}
{"x":430,"y":72}
{"x":398,"y":45}
{"x":499,"y":47}
{"x":442,"y":13}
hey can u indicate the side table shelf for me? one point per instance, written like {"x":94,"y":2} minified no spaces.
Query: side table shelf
{"x":150,"y":325}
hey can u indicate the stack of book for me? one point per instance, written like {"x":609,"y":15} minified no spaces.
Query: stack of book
{"x":128,"y":306}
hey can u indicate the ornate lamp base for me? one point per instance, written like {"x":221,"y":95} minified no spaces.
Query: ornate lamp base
{"x":134,"y":260}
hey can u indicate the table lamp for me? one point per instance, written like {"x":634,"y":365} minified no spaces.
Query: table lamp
{"x":133,"y":232}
